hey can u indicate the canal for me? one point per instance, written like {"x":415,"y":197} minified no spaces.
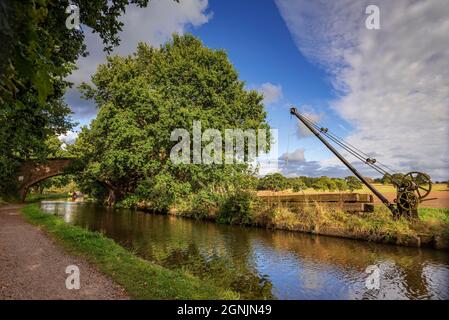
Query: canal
{"x":268,"y":264}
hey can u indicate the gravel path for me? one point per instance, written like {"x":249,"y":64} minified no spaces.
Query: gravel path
{"x":33,"y":267}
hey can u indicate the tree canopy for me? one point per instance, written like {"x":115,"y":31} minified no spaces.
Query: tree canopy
{"x":38,"y":52}
{"x":143,"y":98}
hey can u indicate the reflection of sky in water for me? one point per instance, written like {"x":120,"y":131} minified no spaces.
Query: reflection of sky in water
{"x":64,"y":209}
{"x":437,"y":278}
{"x":299,"y":266}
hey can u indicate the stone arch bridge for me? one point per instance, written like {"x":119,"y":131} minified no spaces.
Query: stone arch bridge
{"x":32,"y":172}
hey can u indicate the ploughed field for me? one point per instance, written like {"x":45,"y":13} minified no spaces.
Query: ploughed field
{"x":439,"y":191}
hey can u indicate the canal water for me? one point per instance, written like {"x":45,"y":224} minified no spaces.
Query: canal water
{"x":261,"y":263}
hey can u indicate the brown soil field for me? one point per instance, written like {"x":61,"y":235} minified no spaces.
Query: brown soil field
{"x":439,"y":192}
{"x":441,"y":201}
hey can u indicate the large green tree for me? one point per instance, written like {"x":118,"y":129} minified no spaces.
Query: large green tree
{"x":143,"y":98}
{"x":37,"y":52}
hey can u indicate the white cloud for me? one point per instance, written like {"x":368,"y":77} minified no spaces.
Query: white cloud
{"x":394,"y":82}
{"x":69,"y":137}
{"x":154,"y":25}
{"x":301,"y":130}
{"x":295,"y":156}
{"x":271,"y":93}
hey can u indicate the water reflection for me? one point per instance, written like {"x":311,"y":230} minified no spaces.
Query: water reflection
{"x":268,"y":264}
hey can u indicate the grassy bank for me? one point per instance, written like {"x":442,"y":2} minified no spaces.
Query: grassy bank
{"x":245,"y":208}
{"x":379,"y":226}
{"x":46,"y":196}
{"x":141,"y":279}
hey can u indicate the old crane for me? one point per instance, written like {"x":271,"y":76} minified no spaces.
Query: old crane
{"x":411,"y":188}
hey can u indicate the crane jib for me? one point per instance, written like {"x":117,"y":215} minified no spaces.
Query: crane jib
{"x":411,"y":188}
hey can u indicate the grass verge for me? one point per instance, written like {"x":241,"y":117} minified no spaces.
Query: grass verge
{"x":47,"y":196}
{"x":140,"y":278}
{"x":432,"y":228}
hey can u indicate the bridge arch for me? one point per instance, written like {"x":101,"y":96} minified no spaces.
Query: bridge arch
{"x":32,"y":172}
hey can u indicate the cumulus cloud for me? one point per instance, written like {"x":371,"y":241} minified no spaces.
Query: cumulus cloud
{"x":154,"y":25}
{"x":295,"y":156}
{"x":393,"y":82}
{"x":295,"y":164}
{"x":69,"y":137}
{"x":271,"y":93}
{"x":301,"y":130}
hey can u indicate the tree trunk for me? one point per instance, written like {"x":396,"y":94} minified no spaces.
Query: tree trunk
{"x":112,"y":194}
{"x":111,"y":198}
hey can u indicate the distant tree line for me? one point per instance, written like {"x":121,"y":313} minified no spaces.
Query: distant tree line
{"x":277,"y":182}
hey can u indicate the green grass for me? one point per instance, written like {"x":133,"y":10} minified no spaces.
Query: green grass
{"x":2,"y":201}
{"x":140,"y":278}
{"x":378,"y":226}
{"x":49,"y":196}
{"x":434,"y":214}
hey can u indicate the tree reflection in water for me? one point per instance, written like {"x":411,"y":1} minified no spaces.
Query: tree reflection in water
{"x":268,"y":264}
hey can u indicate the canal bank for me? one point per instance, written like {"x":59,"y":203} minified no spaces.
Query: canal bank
{"x":36,"y":251}
{"x":34,"y":267}
{"x":257,"y":263}
{"x":430,"y":231}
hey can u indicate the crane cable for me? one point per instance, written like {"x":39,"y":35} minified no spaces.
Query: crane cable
{"x":357,"y":153}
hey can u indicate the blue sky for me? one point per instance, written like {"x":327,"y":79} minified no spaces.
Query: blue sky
{"x":261,"y":48}
{"x":319,"y":56}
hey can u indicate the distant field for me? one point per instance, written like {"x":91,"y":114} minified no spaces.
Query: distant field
{"x":439,"y":191}
{"x":390,"y":188}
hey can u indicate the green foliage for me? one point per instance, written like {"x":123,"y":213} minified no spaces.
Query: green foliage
{"x":390,"y":178}
{"x":58,"y":182}
{"x":238,"y":208}
{"x":324,"y":183}
{"x":297,"y":184}
{"x":204,"y":204}
{"x":274,"y":181}
{"x":436,"y":214}
{"x":142,"y":99}
{"x":277,"y":182}
{"x":130,"y":201}
{"x":341,"y":184}
{"x":140,"y":278}
{"x":162,"y":191}
{"x":353,"y":183}
{"x":38,"y":53}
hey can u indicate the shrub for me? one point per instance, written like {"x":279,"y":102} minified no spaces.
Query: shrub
{"x":297,"y":184}
{"x":162,"y":192}
{"x":341,"y":184}
{"x":204,"y":205}
{"x":238,"y":208}
{"x":275,"y":181}
{"x":353,"y":183}
{"x":129,"y":202}
{"x":321,"y":184}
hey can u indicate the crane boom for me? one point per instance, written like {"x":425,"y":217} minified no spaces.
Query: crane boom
{"x":381,"y":197}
